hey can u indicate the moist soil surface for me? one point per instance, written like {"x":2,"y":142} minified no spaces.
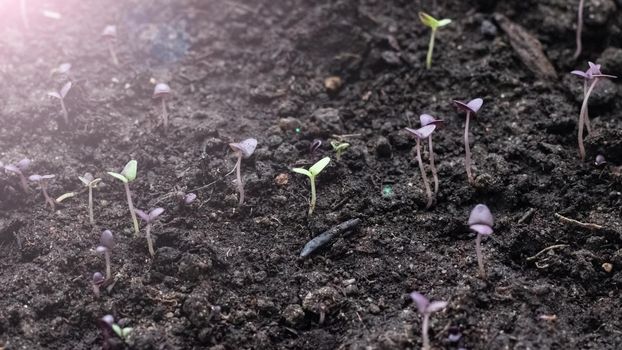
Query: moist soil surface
{"x":229,"y":277}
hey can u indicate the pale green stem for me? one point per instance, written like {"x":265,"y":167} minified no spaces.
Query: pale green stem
{"x":582,"y":118}
{"x":426,"y":184}
{"x":130,"y":204}
{"x":428,"y":60}
{"x":312,"y":204}
{"x":149,"y":240}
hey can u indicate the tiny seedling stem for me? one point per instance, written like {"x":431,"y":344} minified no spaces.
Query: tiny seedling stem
{"x":48,"y":200}
{"x":582,"y":116}
{"x":579,"y":29}
{"x":65,"y":113}
{"x":426,"y":184}
{"x":238,"y":165}
{"x":588,"y":125}
{"x":467,"y":150}
{"x":91,"y":217}
{"x":424,"y":331}
{"x":433,"y":166}
{"x":312,"y":204}
{"x":480,"y":258}
{"x":113,"y":54}
{"x":164,"y":115}
{"x":149,"y":240}
{"x":108,"y":269}
{"x":428,"y":60}
{"x":130,"y":204}
{"x":24,"y":183}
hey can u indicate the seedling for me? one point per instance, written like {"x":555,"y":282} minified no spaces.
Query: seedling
{"x":434,"y":24}
{"x":425,"y":120}
{"x":480,"y":222}
{"x":90,"y":182}
{"x":312,"y":173}
{"x":118,"y":329}
{"x":62,"y":69}
{"x":422,"y":134}
{"x":163,"y":92}
{"x":591,"y":76}
{"x":243,"y":149}
{"x":106,"y":243}
{"x":110,"y":36}
{"x":127,"y":175}
{"x":97,"y":281}
{"x":472,"y":107}
{"x":149,"y":219}
{"x":579,"y":30}
{"x":315,"y":147}
{"x":44,"y":181}
{"x":19,"y":169}
{"x":426,"y":308}
{"x":600,"y":161}
{"x":185,"y":199}
{"x":60,"y":95}
{"x":339,"y":148}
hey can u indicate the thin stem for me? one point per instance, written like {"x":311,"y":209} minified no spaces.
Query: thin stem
{"x":312,"y":204}
{"x":579,"y":30}
{"x":424,"y":331}
{"x":96,"y":291}
{"x":130,"y":204}
{"x":582,"y":118}
{"x":480,"y":259}
{"x":91,"y":217}
{"x":428,"y":192}
{"x":108,"y":269}
{"x":65,"y":113}
{"x":48,"y":200}
{"x":149,"y":240}
{"x":164,"y":115}
{"x":428,"y":60}
{"x":588,"y":125}
{"x":24,"y":183}
{"x":238,"y":165}
{"x":467,"y":149}
{"x":24,"y":14}
{"x":113,"y":54}
{"x":433,"y":166}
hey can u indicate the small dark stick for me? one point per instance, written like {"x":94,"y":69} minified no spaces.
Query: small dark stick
{"x":320,"y":240}
{"x":163,"y":92}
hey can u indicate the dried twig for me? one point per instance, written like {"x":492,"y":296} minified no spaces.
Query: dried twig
{"x":573,"y":222}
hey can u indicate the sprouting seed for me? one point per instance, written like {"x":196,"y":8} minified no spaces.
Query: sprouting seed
{"x":472,"y":107}
{"x":44,"y":181}
{"x":426,"y":308}
{"x":163,"y":92}
{"x":110,"y":35}
{"x":480,"y":222}
{"x":339,"y":148}
{"x":60,"y":95}
{"x":127,"y":175}
{"x":434,"y":24}
{"x":422,"y":134}
{"x":313,"y":171}
{"x":149,"y":219}
{"x":425,"y":120}
{"x":19,"y":168}
{"x":91,"y":182}
{"x":106,"y":243}
{"x":243,"y":149}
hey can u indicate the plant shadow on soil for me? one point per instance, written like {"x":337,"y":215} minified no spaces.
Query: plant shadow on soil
{"x":229,"y":278}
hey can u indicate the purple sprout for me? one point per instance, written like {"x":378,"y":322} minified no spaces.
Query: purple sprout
{"x":149,"y":219}
{"x":163,"y":92}
{"x":590,"y":77}
{"x":579,"y":30}
{"x":426,"y":308}
{"x":315,"y":147}
{"x":44,"y":181}
{"x":106,"y":243}
{"x":185,"y":199}
{"x":243,"y":149}
{"x":97,"y":280}
{"x":426,"y":120}
{"x":60,"y":95}
{"x":19,"y":169}
{"x":109,"y":34}
{"x":472,"y":107}
{"x":600,"y":161}
{"x":481,"y":222}
{"x":421,"y":134}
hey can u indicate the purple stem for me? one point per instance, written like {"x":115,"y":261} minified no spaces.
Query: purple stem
{"x":48,"y":200}
{"x":588,"y":125}
{"x":579,"y":29}
{"x":96,"y":291}
{"x":582,"y":115}
{"x":424,"y":331}
{"x":467,"y":149}
{"x":239,"y":176}
{"x":130,"y":204}
{"x":480,"y":259}
{"x":24,"y":183}
{"x":433,"y":166}
{"x":164,"y":115}
{"x":108,"y":269}
{"x":423,"y":175}
{"x":149,"y":240}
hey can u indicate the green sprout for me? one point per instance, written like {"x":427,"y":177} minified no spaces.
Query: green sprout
{"x":122,"y":333}
{"x":434,"y":24}
{"x":313,"y":171}
{"x":90,"y":182}
{"x":127,"y":175}
{"x":339,"y":147}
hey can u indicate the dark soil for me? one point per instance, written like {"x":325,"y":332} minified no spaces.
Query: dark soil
{"x":230,"y":278}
